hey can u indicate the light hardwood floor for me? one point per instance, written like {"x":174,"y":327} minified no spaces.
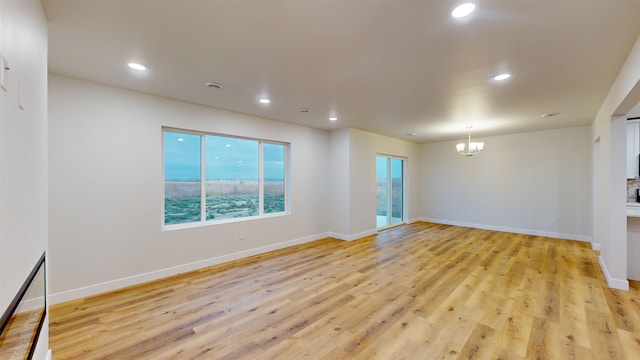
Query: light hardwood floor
{"x":420,"y":291}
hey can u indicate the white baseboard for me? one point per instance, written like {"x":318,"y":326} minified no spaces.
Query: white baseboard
{"x":596,"y":246}
{"x":360,"y":235}
{"x":49,"y":355}
{"x":576,"y":237}
{"x":162,"y":273}
{"x":613,"y":283}
{"x":345,"y":237}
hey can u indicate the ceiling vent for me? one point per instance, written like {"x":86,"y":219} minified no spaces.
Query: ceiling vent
{"x":214,"y":86}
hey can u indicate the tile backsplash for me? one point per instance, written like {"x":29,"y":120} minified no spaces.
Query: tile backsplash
{"x":632,"y":186}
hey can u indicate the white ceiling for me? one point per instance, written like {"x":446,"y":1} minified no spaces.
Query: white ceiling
{"x":386,"y":66}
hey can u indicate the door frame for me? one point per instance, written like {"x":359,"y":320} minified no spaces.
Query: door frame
{"x":405,"y":189}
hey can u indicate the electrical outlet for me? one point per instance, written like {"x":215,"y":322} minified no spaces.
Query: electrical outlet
{"x":241,"y":235}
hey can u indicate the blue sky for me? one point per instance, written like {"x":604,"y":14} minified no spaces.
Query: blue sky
{"x":381,"y":168}
{"x":226,"y":158}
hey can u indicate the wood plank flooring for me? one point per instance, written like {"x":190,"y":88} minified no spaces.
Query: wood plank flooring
{"x":419,"y":291}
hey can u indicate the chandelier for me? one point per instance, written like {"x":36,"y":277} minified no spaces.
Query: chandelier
{"x":470,"y":148}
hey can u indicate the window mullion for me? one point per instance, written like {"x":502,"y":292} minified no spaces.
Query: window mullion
{"x":389,"y":190}
{"x":203,"y":179}
{"x":260,"y":179}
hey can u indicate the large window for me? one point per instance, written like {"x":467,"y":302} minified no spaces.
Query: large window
{"x":211,"y":177}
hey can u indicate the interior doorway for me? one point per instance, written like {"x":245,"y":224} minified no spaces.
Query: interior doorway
{"x":390,"y":194}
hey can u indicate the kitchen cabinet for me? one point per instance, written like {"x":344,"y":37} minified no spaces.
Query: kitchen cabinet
{"x":633,"y":149}
{"x":633,"y":248}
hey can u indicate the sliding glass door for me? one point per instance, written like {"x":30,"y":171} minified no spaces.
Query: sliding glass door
{"x":389,"y":190}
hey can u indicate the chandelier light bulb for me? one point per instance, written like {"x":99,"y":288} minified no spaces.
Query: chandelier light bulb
{"x":472,"y":147}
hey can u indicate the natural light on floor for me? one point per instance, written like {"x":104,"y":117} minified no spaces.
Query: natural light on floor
{"x":381,"y":221}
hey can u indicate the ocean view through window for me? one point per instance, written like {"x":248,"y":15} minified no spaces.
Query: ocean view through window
{"x":212,"y":178}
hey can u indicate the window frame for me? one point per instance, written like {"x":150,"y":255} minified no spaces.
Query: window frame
{"x":203,"y":180}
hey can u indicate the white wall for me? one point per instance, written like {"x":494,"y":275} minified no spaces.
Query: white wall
{"x":608,"y":128}
{"x":23,"y":149}
{"x":105,"y":185}
{"x":338,"y":178}
{"x":533,"y":183}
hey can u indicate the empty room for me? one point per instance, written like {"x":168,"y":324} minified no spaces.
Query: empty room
{"x":339,"y":179}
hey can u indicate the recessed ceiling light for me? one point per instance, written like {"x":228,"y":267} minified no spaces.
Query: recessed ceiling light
{"x":180,"y":139}
{"x":502,"y":77}
{"x":264,"y":101}
{"x":411,"y":134}
{"x":136,"y":66}
{"x":333,"y":118}
{"x":463,"y":10}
